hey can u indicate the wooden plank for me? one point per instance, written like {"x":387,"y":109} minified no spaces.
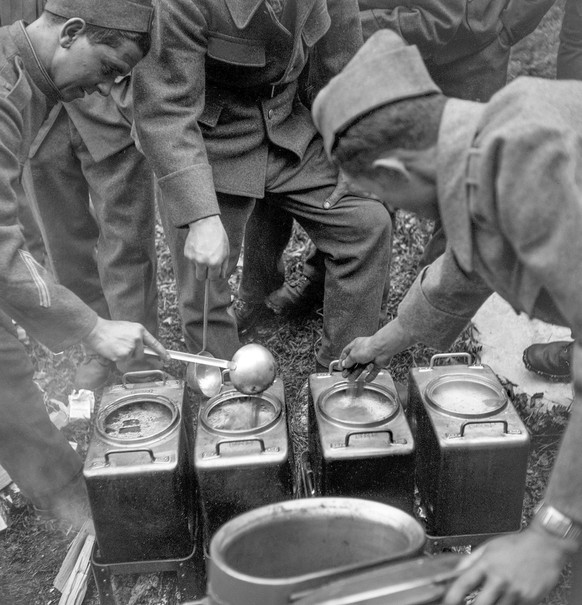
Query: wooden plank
{"x":76,"y":587}
{"x":72,"y":555}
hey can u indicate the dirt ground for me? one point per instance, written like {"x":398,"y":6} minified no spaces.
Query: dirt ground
{"x":31,"y":550}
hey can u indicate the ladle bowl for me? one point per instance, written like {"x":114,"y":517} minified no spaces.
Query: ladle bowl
{"x":253,"y":369}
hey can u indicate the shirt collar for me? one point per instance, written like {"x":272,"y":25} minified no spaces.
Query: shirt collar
{"x":32,"y":64}
{"x":457,"y":132}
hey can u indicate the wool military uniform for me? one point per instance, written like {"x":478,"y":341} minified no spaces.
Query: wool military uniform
{"x":84,"y":157}
{"x":35,"y":454}
{"x":218,"y":113}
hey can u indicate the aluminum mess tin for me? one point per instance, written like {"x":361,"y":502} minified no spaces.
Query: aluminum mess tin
{"x":360,"y":443}
{"x":242,"y":453}
{"x":472,"y":449}
{"x":138,"y":473}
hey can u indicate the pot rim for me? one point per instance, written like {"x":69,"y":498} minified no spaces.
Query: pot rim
{"x":103,"y":413}
{"x":234,"y":394}
{"x":356,"y":507}
{"x":329,"y":392}
{"x":467,"y":378}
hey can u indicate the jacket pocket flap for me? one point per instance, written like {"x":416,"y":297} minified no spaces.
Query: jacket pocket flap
{"x":210,"y":114}
{"x":237,"y":51}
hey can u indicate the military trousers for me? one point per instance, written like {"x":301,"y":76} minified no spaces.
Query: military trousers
{"x":354,"y":235}
{"x":35,"y":454}
{"x":98,"y":223}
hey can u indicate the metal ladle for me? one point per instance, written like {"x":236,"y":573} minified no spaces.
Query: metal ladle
{"x":251,"y":371}
{"x":201,"y":377}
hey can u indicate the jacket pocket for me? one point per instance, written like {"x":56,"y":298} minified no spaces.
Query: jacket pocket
{"x":236,"y":51}
{"x":210,"y":114}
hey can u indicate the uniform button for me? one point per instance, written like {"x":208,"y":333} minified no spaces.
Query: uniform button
{"x":326,"y":205}
{"x":270,"y":114}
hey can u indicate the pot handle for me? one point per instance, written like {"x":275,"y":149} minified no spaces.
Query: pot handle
{"x":130,"y":451}
{"x":465,"y":424}
{"x":350,"y":435}
{"x":335,"y":365}
{"x":434,"y":358}
{"x":260,"y":441}
{"x":307,"y":476}
{"x":141,"y":374}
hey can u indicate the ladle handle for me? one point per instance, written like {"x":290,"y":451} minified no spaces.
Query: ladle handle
{"x":205,"y":315}
{"x":192,"y":358}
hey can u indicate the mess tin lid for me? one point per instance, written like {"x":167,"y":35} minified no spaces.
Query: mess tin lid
{"x":358,"y":404}
{"x":466,"y":395}
{"x":233,"y":413}
{"x":419,"y":581}
{"x":137,"y":418}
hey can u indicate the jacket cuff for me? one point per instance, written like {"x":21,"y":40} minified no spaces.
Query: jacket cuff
{"x":434,"y":327}
{"x":189,"y":194}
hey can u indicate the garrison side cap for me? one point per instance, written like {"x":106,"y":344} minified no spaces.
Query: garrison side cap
{"x":383,"y":71}
{"x":129,"y":15}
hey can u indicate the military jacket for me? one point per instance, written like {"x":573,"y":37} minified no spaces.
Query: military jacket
{"x":222,"y":83}
{"x":510,"y":199}
{"x":48,"y":312}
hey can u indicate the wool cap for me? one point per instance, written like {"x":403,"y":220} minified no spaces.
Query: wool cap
{"x":383,"y":71}
{"x":129,"y":15}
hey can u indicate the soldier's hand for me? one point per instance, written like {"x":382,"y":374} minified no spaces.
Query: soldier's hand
{"x":122,"y":340}
{"x":373,"y":353}
{"x":208,"y":248}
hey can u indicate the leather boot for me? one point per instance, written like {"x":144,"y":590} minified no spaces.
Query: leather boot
{"x":550,"y":360}
{"x":247,"y":315}
{"x":303,"y":294}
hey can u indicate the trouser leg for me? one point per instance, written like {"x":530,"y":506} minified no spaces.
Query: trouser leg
{"x":222,"y":339}
{"x":355,"y":236}
{"x":34,"y":453}
{"x":55,"y":184}
{"x":122,"y":190}
{"x":266,"y":235}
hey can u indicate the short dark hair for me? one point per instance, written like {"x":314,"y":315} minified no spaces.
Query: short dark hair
{"x":408,"y":124}
{"x":108,"y":36}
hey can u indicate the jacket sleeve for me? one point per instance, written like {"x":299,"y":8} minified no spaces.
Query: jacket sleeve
{"x":169,"y":88}
{"x":540,"y":197}
{"x":335,"y":49}
{"x":521,"y":17}
{"x":570,"y":49}
{"x":429,"y":24}
{"x":441,"y":302}
{"x":50,"y":313}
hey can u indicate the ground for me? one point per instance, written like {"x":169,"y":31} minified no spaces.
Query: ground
{"x":31,"y":550}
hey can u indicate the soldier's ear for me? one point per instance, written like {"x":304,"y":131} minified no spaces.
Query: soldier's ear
{"x":71,"y":30}
{"x":394,"y":166}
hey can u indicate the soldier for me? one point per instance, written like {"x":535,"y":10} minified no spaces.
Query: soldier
{"x":504,"y":177}
{"x":74,"y":48}
{"x":220,"y":116}
{"x":93,"y":194}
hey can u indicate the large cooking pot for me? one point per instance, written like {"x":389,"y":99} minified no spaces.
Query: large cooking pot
{"x":274,"y":554}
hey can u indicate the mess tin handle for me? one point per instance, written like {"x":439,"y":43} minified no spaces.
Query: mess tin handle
{"x":259,"y":441}
{"x":434,"y":358}
{"x":350,"y":435}
{"x":142,"y":374}
{"x":335,"y":365}
{"x":307,"y":476}
{"x":132,"y":451}
{"x":465,"y":424}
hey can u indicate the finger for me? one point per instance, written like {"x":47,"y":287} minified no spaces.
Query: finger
{"x":201,"y":272}
{"x":156,"y":345}
{"x":353,"y":372}
{"x":463,"y":586}
{"x":373,"y":371}
{"x":491,"y":593}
